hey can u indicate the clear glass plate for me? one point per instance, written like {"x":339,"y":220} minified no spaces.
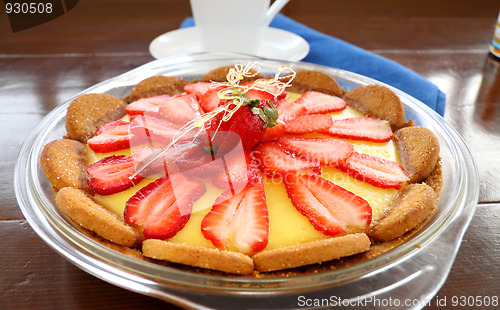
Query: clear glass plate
{"x":407,"y":276}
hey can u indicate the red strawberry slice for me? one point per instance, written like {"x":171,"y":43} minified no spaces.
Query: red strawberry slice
{"x":265,"y":95}
{"x":377,"y":171}
{"x":316,"y":102}
{"x":263,"y":90}
{"x":240,"y":221}
{"x":111,"y":137}
{"x":199,"y":161}
{"x":164,"y":206}
{"x":180,"y":109}
{"x":275,"y":132}
{"x":210,"y":99}
{"x":274,"y":161}
{"x":362,"y":128}
{"x":325,"y":151}
{"x":289,"y":109}
{"x":309,"y":123}
{"x":330,"y":208}
{"x":112,"y":174}
{"x":259,"y":94}
{"x":147,"y":106}
{"x":273,"y":89}
{"x":198,"y":88}
{"x":239,"y":171}
{"x":143,"y":155}
{"x":164,"y":164}
{"x":151,"y":130}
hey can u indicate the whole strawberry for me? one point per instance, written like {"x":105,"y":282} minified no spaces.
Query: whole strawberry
{"x":249,"y":121}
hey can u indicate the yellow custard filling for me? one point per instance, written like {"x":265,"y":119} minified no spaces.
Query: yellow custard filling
{"x":287,"y":226}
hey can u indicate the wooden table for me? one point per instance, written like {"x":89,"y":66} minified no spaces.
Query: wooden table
{"x":446,"y":41}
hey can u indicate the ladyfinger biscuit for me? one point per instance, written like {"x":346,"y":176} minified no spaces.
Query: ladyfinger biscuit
{"x":314,"y":252}
{"x":418,"y":150}
{"x":306,"y":80}
{"x":132,"y":252}
{"x":157,"y":85}
{"x":413,"y":205}
{"x":81,"y":209}
{"x":378,"y":101}
{"x":64,"y":162}
{"x":214,"y":259}
{"x":88,"y":112}
{"x":435,"y":179}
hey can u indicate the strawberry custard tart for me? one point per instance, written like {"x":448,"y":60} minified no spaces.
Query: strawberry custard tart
{"x":240,"y":173}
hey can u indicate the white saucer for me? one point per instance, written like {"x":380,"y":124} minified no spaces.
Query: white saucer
{"x":277,"y":44}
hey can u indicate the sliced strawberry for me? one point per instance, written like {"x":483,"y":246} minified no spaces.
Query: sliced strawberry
{"x":289,"y":109}
{"x":265,"y":95}
{"x":111,"y":137}
{"x":377,"y":171}
{"x":199,"y":161}
{"x":210,"y":99}
{"x":325,"y":151}
{"x":198,"y":88}
{"x":259,"y":94}
{"x":112,"y":174}
{"x":275,"y":132}
{"x":362,"y":128}
{"x":309,"y":123}
{"x":316,"y":102}
{"x":274,"y":161}
{"x":151,"y":130}
{"x":273,"y":89}
{"x":330,"y":208}
{"x":180,"y":109}
{"x":239,"y":171}
{"x":165,"y":163}
{"x":144,"y":155}
{"x":147,"y":106}
{"x":164,"y":206}
{"x":239,"y":222}
{"x":263,"y":90}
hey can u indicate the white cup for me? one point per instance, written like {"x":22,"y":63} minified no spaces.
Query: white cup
{"x":233,"y":25}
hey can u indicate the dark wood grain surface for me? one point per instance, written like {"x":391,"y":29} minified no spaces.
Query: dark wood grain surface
{"x":446,"y":41}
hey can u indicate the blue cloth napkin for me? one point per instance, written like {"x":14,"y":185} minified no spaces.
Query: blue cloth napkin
{"x":333,"y":52}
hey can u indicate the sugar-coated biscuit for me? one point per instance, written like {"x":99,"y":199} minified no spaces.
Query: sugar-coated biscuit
{"x":214,"y":259}
{"x":314,"y":252}
{"x":378,"y":101}
{"x":414,"y":204}
{"x":63,"y":162}
{"x":306,"y":80}
{"x":157,"y":85}
{"x":418,"y":150}
{"x":435,"y":179}
{"x":82,"y":209}
{"x":132,"y":252}
{"x":88,"y":112}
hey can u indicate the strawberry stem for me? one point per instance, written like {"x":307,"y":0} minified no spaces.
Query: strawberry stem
{"x":269,"y":115}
